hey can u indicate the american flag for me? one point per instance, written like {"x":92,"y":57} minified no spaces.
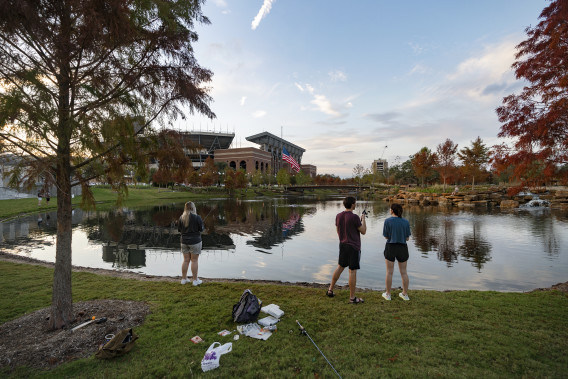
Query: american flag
{"x":288,"y":158}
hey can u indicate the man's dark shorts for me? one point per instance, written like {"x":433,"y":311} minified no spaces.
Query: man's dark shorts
{"x":398,"y":251}
{"x":349,"y":256}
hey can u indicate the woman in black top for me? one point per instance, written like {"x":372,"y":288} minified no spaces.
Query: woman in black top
{"x":190,"y":225}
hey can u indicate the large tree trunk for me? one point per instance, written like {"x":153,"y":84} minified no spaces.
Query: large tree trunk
{"x":62,"y":300}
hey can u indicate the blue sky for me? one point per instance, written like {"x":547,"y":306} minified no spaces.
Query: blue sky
{"x":344,"y":79}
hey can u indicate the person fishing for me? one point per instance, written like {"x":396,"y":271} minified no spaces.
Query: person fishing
{"x":349,"y":229}
{"x":397,"y":231}
{"x":190,"y":225}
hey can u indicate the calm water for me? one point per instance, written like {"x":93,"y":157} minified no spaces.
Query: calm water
{"x":295,"y":241}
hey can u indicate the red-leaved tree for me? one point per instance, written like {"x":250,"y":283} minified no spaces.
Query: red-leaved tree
{"x":446,"y":156}
{"x":423,"y":163}
{"x":537,"y":118}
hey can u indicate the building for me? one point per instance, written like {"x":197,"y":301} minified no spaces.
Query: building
{"x":274,"y":145}
{"x":309,"y":169}
{"x":201,"y":145}
{"x":380,"y":166}
{"x":247,"y":158}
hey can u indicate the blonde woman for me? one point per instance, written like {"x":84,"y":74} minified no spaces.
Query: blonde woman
{"x":190,"y":225}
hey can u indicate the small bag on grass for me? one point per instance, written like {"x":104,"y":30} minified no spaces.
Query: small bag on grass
{"x":247,"y":309}
{"x":119,"y":345}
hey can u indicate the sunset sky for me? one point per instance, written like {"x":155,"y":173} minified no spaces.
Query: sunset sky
{"x":344,"y":79}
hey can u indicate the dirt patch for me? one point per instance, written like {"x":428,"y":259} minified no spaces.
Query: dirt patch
{"x":28,"y":341}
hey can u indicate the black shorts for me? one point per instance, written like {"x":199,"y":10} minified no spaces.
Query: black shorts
{"x":349,"y":256}
{"x":398,"y":251}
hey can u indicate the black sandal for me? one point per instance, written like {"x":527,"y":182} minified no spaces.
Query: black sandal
{"x":356,"y":300}
{"x":329,"y":293}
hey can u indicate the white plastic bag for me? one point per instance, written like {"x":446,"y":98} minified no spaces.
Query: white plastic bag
{"x":210,"y":360}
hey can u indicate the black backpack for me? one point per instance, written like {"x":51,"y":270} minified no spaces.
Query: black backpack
{"x":247,"y":309}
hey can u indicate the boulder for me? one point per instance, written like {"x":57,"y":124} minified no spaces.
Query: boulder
{"x":509,"y":204}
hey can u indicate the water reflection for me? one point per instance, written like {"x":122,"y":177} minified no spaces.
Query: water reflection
{"x":502,"y":249}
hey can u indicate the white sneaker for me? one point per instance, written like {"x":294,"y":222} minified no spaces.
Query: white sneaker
{"x":183,"y":281}
{"x":403,"y":297}
{"x":386,"y":296}
{"x":197,"y":282}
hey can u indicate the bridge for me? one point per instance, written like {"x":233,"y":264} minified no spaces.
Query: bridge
{"x":330,"y":186}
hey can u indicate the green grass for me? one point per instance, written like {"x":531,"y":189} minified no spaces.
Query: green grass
{"x":466,"y":334}
{"x":106,"y":198}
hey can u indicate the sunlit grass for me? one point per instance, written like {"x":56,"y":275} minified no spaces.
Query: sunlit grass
{"x":448,"y":334}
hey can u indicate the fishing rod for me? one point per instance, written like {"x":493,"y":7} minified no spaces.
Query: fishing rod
{"x":303,"y":332}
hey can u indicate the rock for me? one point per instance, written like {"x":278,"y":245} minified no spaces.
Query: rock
{"x":509,"y":204}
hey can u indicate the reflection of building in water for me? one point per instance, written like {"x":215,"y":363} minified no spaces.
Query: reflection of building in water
{"x":278,"y":232}
{"x":124,"y":256}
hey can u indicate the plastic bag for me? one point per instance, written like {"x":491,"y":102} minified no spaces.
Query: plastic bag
{"x":211,"y":358}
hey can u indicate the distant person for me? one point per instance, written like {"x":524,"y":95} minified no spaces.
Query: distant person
{"x":190,"y":225}
{"x":39,"y":197}
{"x":349,"y":229}
{"x":456,"y":190}
{"x":397,"y":231}
{"x":47,"y":198}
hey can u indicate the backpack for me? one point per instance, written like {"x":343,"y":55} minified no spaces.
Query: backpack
{"x":119,"y":345}
{"x":247,"y":309}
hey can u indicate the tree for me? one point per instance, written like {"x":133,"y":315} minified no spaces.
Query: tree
{"x":256,"y":178}
{"x":229,"y":180}
{"x":423,"y":163}
{"x":209,"y":174}
{"x":537,"y":118}
{"x":474,"y":160}
{"x":174,"y":165}
{"x":302,"y":178}
{"x":80,"y":81}
{"x":446,"y":155}
{"x":241,"y":179}
{"x":358,"y":172}
{"x":283,"y":177}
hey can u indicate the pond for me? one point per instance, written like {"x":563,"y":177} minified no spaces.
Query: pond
{"x":294,"y":240}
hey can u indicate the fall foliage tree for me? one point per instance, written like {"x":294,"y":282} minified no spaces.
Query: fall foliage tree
{"x":209,"y":174}
{"x":446,"y":153}
{"x":423,"y":163}
{"x":80,"y":82}
{"x":537,"y":118}
{"x":174,"y":165}
{"x":474,"y":159}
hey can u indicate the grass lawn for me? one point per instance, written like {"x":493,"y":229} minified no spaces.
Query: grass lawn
{"x":139,"y":196}
{"x":466,"y":334}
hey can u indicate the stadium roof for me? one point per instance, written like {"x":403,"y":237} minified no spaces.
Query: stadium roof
{"x":271,"y":139}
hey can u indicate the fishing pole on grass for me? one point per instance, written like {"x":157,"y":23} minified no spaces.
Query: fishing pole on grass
{"x":303,"y":332}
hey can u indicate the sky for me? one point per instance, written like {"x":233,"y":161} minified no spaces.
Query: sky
{"x":354,"y":81}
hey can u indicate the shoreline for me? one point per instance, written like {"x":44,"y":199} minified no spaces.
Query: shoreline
{"x":7,"y":257}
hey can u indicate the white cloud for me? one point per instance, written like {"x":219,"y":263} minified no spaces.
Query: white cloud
{"x":259,"y":114}
{"x":324,"y":105}
{"x":220,"y":3}
{"x":243,"y":100}
{"x":262,"y":13}
{"x":418,"y":69}
{"x":337,"y":76}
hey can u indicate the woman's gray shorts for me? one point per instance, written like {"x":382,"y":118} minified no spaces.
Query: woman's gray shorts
{"x":193,"y":249}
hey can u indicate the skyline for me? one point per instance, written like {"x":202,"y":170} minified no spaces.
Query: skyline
{"x":343,"y":83}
